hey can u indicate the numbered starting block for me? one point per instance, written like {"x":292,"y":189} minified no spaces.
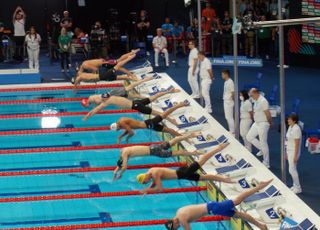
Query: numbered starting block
{"x":143,"y":69}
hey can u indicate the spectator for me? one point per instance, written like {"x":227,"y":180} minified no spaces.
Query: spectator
{"x":167,"y":28}
{"x":32,"y":41}
{"x":243,"y":7}
{"x":1,"y":38}
{"x":250,"y":33}
{"x":192,"y":30}
{"x":160,"y":46}
{"x":215,"y":36}
{"x":143,"y":26}
{"x":206,"y":76}
{"x":208,"y":14}
{"x":178,"y":37}
{"x":226,"y":26}
{"x":273,"y":8}
{"x":66,"y":21}
{"x":19,"y":20}
{"x":264,"y":37}
{"x":262,"y":123}
{"x":64,"y":44}
{"x":97,"y":41}
{"x":78,"y":35}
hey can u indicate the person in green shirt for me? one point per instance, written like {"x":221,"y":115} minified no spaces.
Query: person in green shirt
{"x":64,"y":47}
{"x":264,"y":40}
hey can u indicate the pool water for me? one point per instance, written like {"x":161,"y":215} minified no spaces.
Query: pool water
{"x":63,"y":212}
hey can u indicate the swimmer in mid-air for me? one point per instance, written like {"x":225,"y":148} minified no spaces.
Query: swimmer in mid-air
{"x":157,"y":175}
{"x":93,"y":65}
{"x":109,"y":75}
{"x":140,"y":105}
{"x":162,"y":150}
{"x":129,"y":124}
{"x":191,"y":213}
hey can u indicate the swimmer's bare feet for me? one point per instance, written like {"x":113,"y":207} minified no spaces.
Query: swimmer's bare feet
{"x":135,"y":51}
{"x":195,"y":134}
{"x":263,"y":184}
{"x":173,"y":90}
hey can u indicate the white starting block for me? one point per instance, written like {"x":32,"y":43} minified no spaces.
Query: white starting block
{"x":143,"y":69}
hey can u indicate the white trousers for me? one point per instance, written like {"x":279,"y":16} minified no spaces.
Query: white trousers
{"x":228,"y":106}
{"x":205,"y":92}
{"x":260,"y":129}
{"x":33,"y":56}
{"x":245,"y":125}
{"x":156,"y":56}
{"x":293,"y":169}
{"x":193,"y":82}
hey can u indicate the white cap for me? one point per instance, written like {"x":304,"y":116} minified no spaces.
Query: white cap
{"x":114,"y":126}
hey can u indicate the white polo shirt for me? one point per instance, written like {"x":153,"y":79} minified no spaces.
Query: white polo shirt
{"x":228,"y":90}
{"x":205,"y":65}
{"x":245,"y":109}
{"x":193,"y":55}
{"x":33,"y":43}
{"x":259,"y":107}
{"x":160,"y":42}
{"x":293,"y":133}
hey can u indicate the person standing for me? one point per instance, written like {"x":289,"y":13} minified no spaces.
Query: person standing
{"x":264,"y":38}
{"x":32,"y":41}
{"x":262,"y":122}
{"x":206,"y":75}
{"x":193,"y":69}
{"x":245,"y":118}
{"x":208,"y":14}
{"x":228,"y":99}
{"x":64,"y":45}
{"x":19,"y":21}
{"x":215,"y":37}
{"x":293,"y":149}
{"x":143,"y":26}
{"x":226,"y":25}
{"x":160,"y":46}
{"x":66,"y":21}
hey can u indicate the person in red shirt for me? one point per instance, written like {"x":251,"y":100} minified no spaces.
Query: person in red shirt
{"x":209,"y":14}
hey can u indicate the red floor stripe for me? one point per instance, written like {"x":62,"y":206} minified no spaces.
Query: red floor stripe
{"x":119,"y":224}
{"x":73,"y":148}
{"x":89,"y":169}
{"x":33,"y":101}
{"x":46,"y":131}
{"x":63,"y":114}
{"x":98,"y":86}
{"x":98,"y":195}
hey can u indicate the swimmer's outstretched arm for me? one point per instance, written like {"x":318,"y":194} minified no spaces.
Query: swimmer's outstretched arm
{"x":183,"y":137}
{"x":128,"y":131}
{"x":96,"y":110}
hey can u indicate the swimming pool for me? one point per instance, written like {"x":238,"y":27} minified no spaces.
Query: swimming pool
{"x":46,"y":156}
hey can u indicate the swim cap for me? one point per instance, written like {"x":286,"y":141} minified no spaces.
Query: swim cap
{"x":85,"y":103}
{"x":114,"y":126}
{"x":141,"y":177}
{"x":169,"y":225}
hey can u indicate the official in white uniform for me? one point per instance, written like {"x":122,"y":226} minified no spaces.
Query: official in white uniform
{"x":206,"y":76}
{"x":293,"y":149}
{"x":193,"y":70}
{"x":228,"y":99}
{"x":160,"y":46}
{"x":262,"y":122}
{"x":246,"y":116}
{"x":32,"y":41}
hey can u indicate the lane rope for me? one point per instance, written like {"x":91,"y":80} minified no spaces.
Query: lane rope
{"x":98,"y":195}
{"x":33,"y":101}
{"x":120,"y":224}
{"x":87,"y":169}
{"x":71,"y":148}
{"x":63,"y":114}
{"x":50,"y":88}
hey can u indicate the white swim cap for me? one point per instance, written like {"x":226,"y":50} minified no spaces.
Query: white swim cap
{"x":114,"y":126}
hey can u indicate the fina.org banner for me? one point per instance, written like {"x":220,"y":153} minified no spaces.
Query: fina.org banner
{"x":242,"y":61}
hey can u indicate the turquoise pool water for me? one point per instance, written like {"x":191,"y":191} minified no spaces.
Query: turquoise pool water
{"x":77,"y":211}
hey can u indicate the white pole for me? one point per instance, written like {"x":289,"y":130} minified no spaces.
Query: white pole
{"x":286,"y":22}
{"x":236,"y":75}
{"x":282,"y":94}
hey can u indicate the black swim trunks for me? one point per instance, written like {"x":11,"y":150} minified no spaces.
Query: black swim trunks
{"x":154,"y":123}
{"x":109,"y":75}
{"x":140,"y":105}
{"x":162,"y":150}
{"x":189,"y":172}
